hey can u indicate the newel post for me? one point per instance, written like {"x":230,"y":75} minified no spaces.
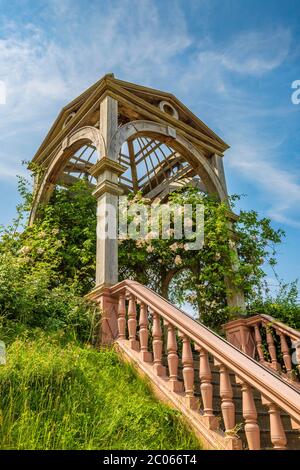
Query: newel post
{"x":107,"y":171}
{"x":239,"y":334}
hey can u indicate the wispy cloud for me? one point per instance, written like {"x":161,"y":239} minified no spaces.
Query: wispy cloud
{"x":45,"y":68}
{"x":42,"y":72}
{"x":243,"y":114}
{"x":256,"y":52}
{"x":257,"y":161}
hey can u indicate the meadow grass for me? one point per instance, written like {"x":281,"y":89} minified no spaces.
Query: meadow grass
{"x":58,"y":394}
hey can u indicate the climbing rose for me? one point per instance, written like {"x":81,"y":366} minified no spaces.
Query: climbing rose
{"x":174,"y":246}
{"x":178,"y":260}
{"x":25,"y":249}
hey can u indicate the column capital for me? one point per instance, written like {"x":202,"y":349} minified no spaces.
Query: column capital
{"x":104,"y":164}
{"x":107,"y":186}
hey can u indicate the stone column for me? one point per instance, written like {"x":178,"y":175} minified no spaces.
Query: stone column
{"x":235,"y":296}
{"x":107,"y":172}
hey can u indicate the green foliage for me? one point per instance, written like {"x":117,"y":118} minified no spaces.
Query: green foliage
{"x":45,"y":268}
{"x":284,"y":306}
{"x":56,"y":394}
{"x":32,"y":298}
{"x":56,"y":257}
{"x":73,"y":212}
{"x":198,"y":277}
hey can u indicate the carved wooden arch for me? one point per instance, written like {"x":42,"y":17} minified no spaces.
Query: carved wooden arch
{"x":168,"y":135}
{"x":78,"y":138}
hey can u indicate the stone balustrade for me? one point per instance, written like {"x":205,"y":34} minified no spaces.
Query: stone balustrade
{"x":170,"y":343}
{"x":270,"y":342}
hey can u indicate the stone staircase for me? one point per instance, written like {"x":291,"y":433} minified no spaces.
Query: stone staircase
{"x":231,"y":400}
{"x":293,"y":436}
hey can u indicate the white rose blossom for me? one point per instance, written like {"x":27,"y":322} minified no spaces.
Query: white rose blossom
{"x":178,"y":260}
{"x":174,"y":246}
{"x":24,"y":250}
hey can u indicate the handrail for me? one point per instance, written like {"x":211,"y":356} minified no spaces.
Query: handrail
{"x":248,"y":371}
{"x":258,"y":335}
{"x":280,"y":326}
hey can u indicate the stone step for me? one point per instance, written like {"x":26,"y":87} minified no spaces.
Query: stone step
{"x":263,"y":418}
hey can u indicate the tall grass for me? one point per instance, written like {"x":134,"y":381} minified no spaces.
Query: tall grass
{"x":61,"y":395}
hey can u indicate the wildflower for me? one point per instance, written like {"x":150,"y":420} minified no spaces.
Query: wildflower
{"x":40,"y":251}
{"x":149,"y":236}
{"x":178,"y":260}
{"x":42,"y":234}
{"x":174,"y":246}
{"x":169,"y":232}
{"x":24,"y":250}
{"x":150,"y":249}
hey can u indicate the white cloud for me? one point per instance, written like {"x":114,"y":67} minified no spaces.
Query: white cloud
{"x":243,"y":115}
{"x":43,"y":73}
{"x":257,"y":161}
{"x":257,"y":53}
{"x":134,"y":40}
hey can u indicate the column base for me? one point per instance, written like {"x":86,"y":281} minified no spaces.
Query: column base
{"x":211,"y":422}
{"x":159,"y":369}
{"x":175,"y":386}
{"x":134,"y":344}
{"x":108,"y":306}
{"x":146,"y":356}
{"x":192,"y":402}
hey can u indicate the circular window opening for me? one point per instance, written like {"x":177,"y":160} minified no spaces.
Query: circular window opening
{"x":68,"y":119}
{"x":168,"y":109}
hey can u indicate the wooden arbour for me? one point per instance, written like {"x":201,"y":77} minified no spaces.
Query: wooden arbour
{"x":140,"y":139}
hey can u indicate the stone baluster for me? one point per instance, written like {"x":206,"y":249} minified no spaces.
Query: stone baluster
{"x":258,"y":342}
{"x":143,"y":333}
{"x":175,"y":384}
{"x":271,"y":348}
{"x":252,"y":430}
{"x":227,"y":403}
{"x":285,"y":353}
{"x":228,"y":408}
{"x":122,"y":317}
{"x":132,"y":323}
{"x":278,"y":437}
{"x":206,"y":388}
{"x":188,"y":372}
{"x":157,"y":346}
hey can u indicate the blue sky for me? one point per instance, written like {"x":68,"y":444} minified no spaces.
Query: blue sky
{"x":232,"y":62}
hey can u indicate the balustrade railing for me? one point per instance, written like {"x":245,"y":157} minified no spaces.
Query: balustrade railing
{"x":270,"y":342}
{"x":168,"y":340}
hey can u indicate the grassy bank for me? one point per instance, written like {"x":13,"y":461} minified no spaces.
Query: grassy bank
{"x":56,"y":394}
